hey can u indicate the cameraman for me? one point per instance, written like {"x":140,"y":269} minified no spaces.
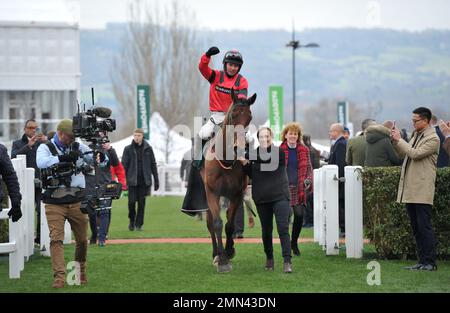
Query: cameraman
{"x":8,"y":175}
{"x":63,"y":202}
{"x":103,"y":211}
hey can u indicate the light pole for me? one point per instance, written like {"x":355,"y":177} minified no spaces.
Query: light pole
{"x":295,"y":44}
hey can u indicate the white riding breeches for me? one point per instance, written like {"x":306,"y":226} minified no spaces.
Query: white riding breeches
{"x":207,"y":129}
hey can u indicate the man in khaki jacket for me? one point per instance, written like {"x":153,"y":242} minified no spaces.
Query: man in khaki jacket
{"x":417,"y":183}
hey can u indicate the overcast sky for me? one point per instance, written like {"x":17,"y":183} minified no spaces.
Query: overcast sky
{"x":410,"y":15}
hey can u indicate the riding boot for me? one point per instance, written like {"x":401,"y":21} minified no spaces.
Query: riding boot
{"x":199,"y":156}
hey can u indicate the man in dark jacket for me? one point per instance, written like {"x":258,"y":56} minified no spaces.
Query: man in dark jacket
{"x":139,"y":163}
{"x":337,"y":157}
{"x":356,"y":146}
{"x":8,"y":175}
{"x":379,"y":149}
{"x":28,"y":145}
{"x":445,"y":129}
{"x":443,"y":157}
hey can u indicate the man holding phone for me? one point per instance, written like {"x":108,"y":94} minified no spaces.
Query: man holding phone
{"x":28,"y":145}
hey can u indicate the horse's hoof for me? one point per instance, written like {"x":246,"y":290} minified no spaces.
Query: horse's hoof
{"x":216,"y":260}
{"x":224,"y":268}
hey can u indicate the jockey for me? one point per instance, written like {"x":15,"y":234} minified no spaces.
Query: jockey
{"x":221,"y":84}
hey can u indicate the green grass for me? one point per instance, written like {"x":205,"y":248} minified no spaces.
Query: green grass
{"x":163,"y":218}
{"x":188,"y":267}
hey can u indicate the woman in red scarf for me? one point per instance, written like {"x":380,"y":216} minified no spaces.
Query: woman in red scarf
{"x":299,"y":170}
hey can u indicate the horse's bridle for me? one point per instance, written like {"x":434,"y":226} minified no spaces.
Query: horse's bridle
{"x":229,"y":118}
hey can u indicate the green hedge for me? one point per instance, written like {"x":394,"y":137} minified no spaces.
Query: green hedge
{"x":386,"y":222}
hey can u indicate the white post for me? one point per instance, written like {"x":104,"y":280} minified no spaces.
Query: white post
{"x":316,"y":190}
{"x":331,"y":204}
{"x":12,"y":247}
{"x":45,"y":233}
{"x":16,"y":258}
{"x":162,"y":181}
{"x":30,"y":210}
{"x":322,"y":212}
{"x":19,"y":227}
{"x":21,"y":172}
{"x":353,"y":212}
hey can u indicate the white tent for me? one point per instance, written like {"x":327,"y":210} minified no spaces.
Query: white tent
{"x":178,"y":145}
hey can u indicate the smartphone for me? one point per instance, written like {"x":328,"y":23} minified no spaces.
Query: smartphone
{"x":393,"y":127}
{"x":38,"y":131}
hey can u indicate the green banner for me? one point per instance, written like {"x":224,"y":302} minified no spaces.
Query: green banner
{"x":276,"y":110}
{"x":342,"y":113}
{"x":143,"y":109}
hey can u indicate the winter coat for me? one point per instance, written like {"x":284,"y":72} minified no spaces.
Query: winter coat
{"x":379,"y":149}
{"x":443,"y":157}
{"x":268,"y":184}
{"x":118,"y":174}
{"x":314,"y":156}
{"x":9,"y":177}
{"x":20,"y":146}
{"x":418,"y":176}
{"x":337,"y":157}
{"x":446,"y":146}
{"x":356,"y":151}
{"x":130,"y":164}
{"x":304,"y":168}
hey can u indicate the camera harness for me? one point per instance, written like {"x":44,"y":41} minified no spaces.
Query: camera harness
{"x":54,"y":152}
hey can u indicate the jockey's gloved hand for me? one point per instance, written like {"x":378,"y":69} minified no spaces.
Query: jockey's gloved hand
{"x":15,"y":213}
{"x":212,"y":51}
{"x":156,"y":185}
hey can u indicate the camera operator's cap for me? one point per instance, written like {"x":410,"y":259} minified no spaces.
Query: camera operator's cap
{"x":65,"y":126}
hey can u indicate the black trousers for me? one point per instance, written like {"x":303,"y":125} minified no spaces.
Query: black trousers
{"x":136,"y":194}
{"x":420,"y":216}
{"x":281,"y":210}
{"x":239,"y":220}
{"x":309,"y":212}
{"x":297,"y":225}
{"x":342,"y":214}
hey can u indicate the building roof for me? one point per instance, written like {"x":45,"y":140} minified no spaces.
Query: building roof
{"x":42,"y":12}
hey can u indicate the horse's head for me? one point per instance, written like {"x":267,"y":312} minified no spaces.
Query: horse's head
{"x":239,"y":112}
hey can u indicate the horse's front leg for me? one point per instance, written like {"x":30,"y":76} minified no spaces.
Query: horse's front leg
{"x":210,"y":225}
{"x":229,"y":227}
{"x":217,"y":225}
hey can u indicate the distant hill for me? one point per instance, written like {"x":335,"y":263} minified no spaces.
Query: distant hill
{"x":400,"y":70}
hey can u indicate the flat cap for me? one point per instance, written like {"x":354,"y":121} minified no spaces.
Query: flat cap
{"x":65,"y":126}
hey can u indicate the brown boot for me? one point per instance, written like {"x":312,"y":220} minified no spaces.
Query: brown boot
{"x":269,"y":265}
{"x":58,"y":283}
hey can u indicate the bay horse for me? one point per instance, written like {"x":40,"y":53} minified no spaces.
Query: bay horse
{"x":224,"y":176}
